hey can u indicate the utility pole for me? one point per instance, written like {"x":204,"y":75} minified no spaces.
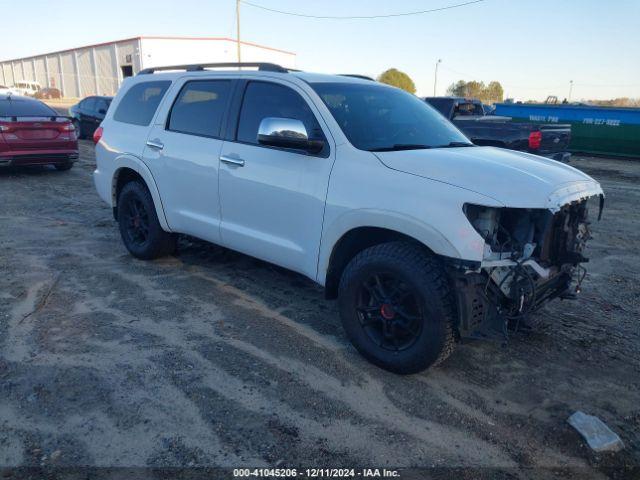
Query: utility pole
{"x":570,"y":89}
{"x":238,"y":29}
{"x":435,"y":79}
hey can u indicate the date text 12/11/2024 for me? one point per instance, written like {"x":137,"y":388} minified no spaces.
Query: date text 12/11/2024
{"x":316,"y":473}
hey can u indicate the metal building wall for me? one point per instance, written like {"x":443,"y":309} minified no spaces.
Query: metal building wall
{"x":27,"y":70}
{"x":69,"y":79}
{"x":78,"y":72}
{"x":128,"y":54}
{"x":85,"y":75}
{"x":107,"y":75}
{"x":54,"y":79}
{"x":41,"y":71}
{"x":17,"y":71}
{"x":100,"y":69}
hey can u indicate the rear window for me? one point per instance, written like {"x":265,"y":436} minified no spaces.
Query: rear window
{"x":24,"y":108}
{"x":139,"y":104}
{"x":468,"y":109}
{"x":200,"y":107}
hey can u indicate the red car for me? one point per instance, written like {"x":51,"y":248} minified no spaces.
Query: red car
{"x":32,"y":133}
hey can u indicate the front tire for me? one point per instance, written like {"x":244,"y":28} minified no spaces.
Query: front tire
{"x":397,"y":307}
{"x":139,"y":226}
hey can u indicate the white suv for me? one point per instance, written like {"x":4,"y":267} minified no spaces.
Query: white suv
{"x":365,"y":189}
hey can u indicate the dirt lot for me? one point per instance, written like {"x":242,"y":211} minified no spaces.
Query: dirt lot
{"x":214,"y":358}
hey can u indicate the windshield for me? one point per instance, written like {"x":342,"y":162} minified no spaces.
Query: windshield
{"x":380,"y":118}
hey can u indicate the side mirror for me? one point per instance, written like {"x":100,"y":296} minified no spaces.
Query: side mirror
{"x":287,"y":133}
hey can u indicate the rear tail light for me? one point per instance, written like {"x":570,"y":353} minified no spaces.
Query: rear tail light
{"x":5,"y":127}
{"x":68,"y":127}
{"x":97,"y":135}
{"x":535,"y":139}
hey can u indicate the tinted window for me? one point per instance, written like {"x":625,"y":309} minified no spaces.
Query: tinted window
{"x":443,"y":105}
{"x":468,"y":109}
{"x":101,"y":104}
{"x":199,"y":108}
{"x":262,"y":100}
{"x":88,"y":104}
{"x":16,"y":108}
{"x":139,"y":104}
{"x":377,"y":117}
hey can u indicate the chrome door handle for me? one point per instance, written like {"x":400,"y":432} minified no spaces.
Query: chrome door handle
{"x":232,"y":161}
{"x":155,"y":144}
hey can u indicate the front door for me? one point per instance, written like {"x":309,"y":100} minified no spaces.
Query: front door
{"x":272,"y":199}
{"x":183,"y":155}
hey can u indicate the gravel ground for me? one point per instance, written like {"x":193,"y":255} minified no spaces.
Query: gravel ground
{"x":212,"y":358}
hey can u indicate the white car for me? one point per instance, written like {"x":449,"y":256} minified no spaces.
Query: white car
{"x":4,"y":90}
{"x":422,"y":236}
{"x":27,"y":88}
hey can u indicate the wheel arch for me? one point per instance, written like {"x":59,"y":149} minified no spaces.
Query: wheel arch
{"x":339,"y":246}
{"x":132,"y":169}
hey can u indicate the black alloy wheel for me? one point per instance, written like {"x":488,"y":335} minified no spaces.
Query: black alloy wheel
{"x":136,"y":220}
{"x":389,"y":312}
{"x":140,"y":228}
{"x":397,"y":306}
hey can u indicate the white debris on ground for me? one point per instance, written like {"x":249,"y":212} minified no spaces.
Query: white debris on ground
{"x":599,"y":437}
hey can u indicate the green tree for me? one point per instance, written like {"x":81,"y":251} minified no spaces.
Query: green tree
{"x":486,"y":93}
{"x":493,"y":93}
{"x":475,"y":89}
{"x":457,"y":89}
{"x":398,"y":79}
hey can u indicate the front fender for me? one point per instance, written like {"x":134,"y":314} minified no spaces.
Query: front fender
{"x":388,"y":219}
{"x":137,"y":165}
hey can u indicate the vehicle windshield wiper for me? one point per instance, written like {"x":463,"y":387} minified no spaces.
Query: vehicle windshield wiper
{"x":456,"y":144}
{"x":401,"y":146}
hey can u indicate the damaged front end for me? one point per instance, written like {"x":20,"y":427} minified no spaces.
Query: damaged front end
{"x":530,"y":257}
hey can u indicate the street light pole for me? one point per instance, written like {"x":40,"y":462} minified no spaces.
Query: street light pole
{"x":238,"y":29}
{"x":570,"y":89}
{"x":435,"y":79}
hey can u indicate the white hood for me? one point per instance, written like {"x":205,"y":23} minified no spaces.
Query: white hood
{"x":515,"y":179}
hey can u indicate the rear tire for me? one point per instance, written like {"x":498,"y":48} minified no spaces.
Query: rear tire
{"x":397,"y":307}
{"x":139,"y":226}
{"x":63,"y":166}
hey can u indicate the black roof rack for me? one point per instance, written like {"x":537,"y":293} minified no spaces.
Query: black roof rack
{"x":355,"y":75}
{"x":265,"y":67}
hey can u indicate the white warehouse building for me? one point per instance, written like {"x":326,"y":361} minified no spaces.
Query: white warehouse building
{"x":99,"y":69}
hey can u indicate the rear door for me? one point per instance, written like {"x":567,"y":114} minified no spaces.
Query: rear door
{"x":183,"y":151}
{"x":128,"y":128}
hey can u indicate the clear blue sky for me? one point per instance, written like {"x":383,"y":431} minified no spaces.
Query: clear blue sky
{"x":533,"y":47}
